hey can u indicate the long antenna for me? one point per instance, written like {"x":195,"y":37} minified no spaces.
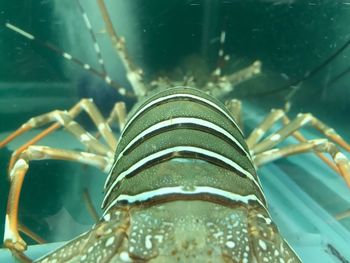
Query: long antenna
{"x":69,"y":57}
{"x":339,"y":76}
{"x":93,"y":37}
{"x":309,"y":74}
{"x":133,"y":74}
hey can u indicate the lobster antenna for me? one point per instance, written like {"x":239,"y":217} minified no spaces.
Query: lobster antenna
{"x":69,"y":57}
{"x":339,"y":76}
{"x":133,"y":74}
{"x":222,"y":57}
{"x":308,"y":74}
{"x":93,"y":37}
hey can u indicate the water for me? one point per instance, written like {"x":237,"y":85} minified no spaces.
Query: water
{"x":294,"y":40}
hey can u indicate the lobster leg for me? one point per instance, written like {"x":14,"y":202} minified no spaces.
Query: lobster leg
{"x":244,"y":74}
{"x":264,"y":126}
{"x":235,"y":108}
{"x":297,"y":135}
{"x":118,"y":114}
{"x":12,"y":238}
{"x":262,"y":152}
{"x":80,"y":133}
{"x":223,"y":85}
{"x":91,"y":109}
{"x":86,"y":105}
{"x":318,"y":145}
{"x":274,"y":116}
{"x":83,"y":105}
{"x":300,"y":121}
{"x":291,"y":128}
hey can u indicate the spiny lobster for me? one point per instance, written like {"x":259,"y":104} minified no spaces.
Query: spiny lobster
{"x":182,"y":184}
{"x":182,"y":188}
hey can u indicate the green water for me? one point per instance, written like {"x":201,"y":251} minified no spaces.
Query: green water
{"x":171,"y":38}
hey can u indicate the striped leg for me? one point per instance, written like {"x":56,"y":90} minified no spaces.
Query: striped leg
{"x":291,"y":128}
{"x":258,"y":133}
{"x":12,"y":239}
{"x":86,"y":105}
{"x":273,"y":117}
{"x":73,"y":127}
{"x":118,"y":115}
{"x":223,"y":85}
{"x":235,"y":108}
{"x":91,"y":109}
{"x":64,"y":118}
{"x":343,"y":215}
{"x":297,"y":135}
{"x":264,"y":126}
{"x":244,"y":74}
{"x":318,"y":145}
{"x":300,"y":121}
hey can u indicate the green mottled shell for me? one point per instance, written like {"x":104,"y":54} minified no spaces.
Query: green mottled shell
{"x":174,"y":172}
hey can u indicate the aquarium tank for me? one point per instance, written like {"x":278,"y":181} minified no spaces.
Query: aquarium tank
{"x":281,"y":67}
